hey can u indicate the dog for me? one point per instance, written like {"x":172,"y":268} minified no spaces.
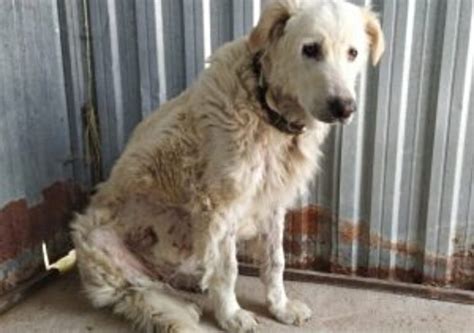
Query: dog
{"x":221,"y":163}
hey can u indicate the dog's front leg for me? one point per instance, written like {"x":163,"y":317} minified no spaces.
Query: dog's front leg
{"x":271,"y":273}
{"x":221,"y":270}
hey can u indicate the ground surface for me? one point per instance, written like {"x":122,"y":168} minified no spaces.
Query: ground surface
{"x":60,"y":307}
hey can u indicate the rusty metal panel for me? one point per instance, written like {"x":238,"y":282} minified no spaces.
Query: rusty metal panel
{"x":394,"y":197}
{"x":37,"y":189}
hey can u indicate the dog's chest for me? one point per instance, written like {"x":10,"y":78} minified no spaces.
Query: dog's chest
{"x":281,"y":169}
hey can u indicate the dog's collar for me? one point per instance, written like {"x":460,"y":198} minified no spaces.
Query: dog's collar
{"x":274,"y":118}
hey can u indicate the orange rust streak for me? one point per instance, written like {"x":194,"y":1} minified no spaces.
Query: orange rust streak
{"x":315,"y":223}
{"x":24,"y":227}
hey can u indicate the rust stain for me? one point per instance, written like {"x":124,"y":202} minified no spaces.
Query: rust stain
{"x":313,"y":224}
{"x":23,"y":228}
{"x":300,"y":219}
{"x":350,"y":232}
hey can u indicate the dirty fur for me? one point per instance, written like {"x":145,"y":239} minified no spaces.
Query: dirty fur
{"x":207,"y":170}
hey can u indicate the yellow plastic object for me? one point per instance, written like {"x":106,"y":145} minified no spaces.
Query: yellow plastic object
{"x":66,"y":263}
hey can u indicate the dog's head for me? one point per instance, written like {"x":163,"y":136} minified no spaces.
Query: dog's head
{"x":313,"y":51}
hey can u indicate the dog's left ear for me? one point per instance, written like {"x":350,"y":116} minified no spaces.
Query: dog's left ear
{"x":271,"y":25}
{"x":376,"y":37}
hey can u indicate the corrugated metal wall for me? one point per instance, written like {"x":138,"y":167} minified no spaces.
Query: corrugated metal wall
{"x":146,"y":52}
{"x":395,"y":198}
{"x":38,"y":137}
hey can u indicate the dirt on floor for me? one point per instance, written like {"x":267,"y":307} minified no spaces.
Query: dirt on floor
{"x":60,"y":307}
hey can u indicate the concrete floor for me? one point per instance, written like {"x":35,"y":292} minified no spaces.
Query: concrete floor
{"x":60,"y":307}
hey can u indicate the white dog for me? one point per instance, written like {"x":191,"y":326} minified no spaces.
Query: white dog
{"x":221,"y":163}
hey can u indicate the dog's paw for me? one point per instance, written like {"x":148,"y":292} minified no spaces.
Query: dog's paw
{"x":241,"y":321}
{"x":293,"y":313}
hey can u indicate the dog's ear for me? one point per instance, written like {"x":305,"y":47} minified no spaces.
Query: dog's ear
{"x":376,"y":37}
{"x":271,"y":25}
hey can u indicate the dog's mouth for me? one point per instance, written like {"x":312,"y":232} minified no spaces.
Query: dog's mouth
{"x":344,"y":121}
{"x":328,"y":118}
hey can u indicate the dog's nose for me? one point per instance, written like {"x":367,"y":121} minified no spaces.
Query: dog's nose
{"x":342,"y":108}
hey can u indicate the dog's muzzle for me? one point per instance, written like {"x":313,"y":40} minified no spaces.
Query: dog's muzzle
{"x":341,"y":109}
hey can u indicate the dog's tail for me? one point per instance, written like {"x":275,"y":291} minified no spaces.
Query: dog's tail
{"x":113,"y":276}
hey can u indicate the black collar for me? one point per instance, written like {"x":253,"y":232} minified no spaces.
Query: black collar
{"x":274,"y":118}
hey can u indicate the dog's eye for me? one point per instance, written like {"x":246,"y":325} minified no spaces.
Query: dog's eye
{"x":352,"y":54}
{"x":313,"y":50}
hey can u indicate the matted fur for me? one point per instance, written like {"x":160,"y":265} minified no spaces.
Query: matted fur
{"x":207,"y":170}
